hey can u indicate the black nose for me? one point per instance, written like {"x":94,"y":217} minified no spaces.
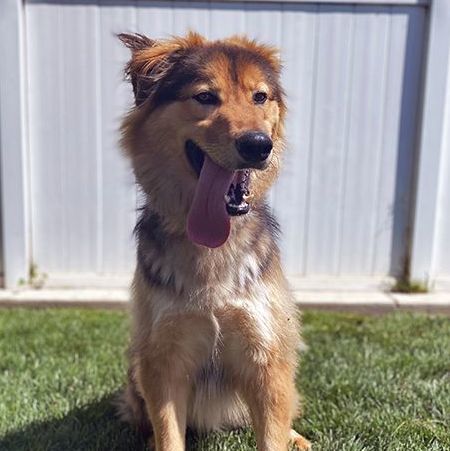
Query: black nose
{"x":254,"y":147}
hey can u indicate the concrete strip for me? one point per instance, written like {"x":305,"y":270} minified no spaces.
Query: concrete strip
{"x":358,"y":302}
{"x":428,"y":302}
{"x":340,"y":284}
{"x":351,"y":301}
{"x":83,"y":295}
{"x":340,"y":297}
{"x":46,"y":298}
{"x":99,"y":305}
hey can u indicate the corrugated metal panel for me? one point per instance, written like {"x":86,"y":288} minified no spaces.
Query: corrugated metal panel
{"x":352,"y":76}
{"x":354,"y":140}
{"x":442,"y":244}
{"x":1,"y":232}
{"x":83,"y":194}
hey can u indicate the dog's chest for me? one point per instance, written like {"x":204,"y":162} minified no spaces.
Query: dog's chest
{"x":227,"y":287}
{"x":245,"y":334}
{"x":239,"y":320}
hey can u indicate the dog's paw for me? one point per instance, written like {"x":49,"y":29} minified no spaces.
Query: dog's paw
{"x":298,"y":442}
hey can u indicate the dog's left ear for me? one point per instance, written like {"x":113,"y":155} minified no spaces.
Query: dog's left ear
{"x":152,"y":59}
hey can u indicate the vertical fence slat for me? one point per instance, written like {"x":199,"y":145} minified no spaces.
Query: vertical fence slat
{"x":432,"y":142}
{"x":15,"y":230}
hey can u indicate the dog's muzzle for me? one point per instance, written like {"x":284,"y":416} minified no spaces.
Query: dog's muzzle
{"x":238,"y":193}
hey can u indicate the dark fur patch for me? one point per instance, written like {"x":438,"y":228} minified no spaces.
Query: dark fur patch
{"x":268,"y":223}
{"x":152,"y":277}
{"x":149,"y":227}
{"x":153,"y":242}
{"x":211,"y":375}
{"x":268,"y":219}
{"x":150,"y":235}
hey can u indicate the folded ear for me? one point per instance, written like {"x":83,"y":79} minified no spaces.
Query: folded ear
{"x":152,"y":59}
{"x":141,"y":83}
{"x":136,"y":41}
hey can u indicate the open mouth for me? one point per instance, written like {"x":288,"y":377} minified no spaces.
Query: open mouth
{"x":238,"y":192}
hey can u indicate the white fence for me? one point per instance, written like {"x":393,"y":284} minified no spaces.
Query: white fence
{"x":369,"y":97}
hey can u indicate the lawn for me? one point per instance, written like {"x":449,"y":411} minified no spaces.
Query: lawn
{"x":369,"y":383}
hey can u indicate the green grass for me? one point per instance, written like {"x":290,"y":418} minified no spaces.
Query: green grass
{"x":369,"y":383}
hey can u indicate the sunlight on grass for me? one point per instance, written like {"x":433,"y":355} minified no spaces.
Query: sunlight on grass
{"x":368,"y":383}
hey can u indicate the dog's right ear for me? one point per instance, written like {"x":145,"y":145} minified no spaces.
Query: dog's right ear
{"x":136,"y":41}
{"x":152,"y":59}
{"x":139,"y":79}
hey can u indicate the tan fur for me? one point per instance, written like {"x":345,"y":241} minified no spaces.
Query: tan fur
{"x":214,"y":340}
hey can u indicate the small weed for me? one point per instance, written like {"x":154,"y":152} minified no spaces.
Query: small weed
{"x":36,"y":279}
{"x":409,"y":286}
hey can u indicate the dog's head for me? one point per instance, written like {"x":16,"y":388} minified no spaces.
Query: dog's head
{"x":206,"y":134}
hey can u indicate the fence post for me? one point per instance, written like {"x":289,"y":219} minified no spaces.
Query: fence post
{"x":13,"y":144}
{"x":432,"y":142}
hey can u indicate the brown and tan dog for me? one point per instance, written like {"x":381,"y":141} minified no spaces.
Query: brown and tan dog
{"x":215,"y":330}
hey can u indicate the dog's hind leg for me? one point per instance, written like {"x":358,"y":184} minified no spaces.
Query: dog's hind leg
{"x":131,"y":408}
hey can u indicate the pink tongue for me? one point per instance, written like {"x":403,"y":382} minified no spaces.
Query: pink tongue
{"x":208,"y":222}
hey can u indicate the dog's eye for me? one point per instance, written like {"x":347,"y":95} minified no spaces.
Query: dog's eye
{"x":259,"y":97}
{"x":206,"y":98}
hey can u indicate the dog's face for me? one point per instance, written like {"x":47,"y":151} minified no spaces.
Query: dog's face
{"x":205,"y":137}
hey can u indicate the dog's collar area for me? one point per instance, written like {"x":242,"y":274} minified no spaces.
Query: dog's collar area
{"x":235,"y":199}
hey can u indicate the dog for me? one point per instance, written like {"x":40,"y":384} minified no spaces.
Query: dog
{"x":215,"y":329}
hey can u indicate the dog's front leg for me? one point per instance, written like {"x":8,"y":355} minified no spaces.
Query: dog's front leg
{"x":270,"y":393}
{"x":165,"y":389}
{"x":169,"y":361}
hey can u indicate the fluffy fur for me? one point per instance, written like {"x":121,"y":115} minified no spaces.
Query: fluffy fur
{"x":215,"y":331}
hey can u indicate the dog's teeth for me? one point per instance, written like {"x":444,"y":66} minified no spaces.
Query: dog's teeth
{"x":227,"y":198}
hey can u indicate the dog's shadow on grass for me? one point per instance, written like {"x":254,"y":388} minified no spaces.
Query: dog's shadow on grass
{"x":94,"y":427}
